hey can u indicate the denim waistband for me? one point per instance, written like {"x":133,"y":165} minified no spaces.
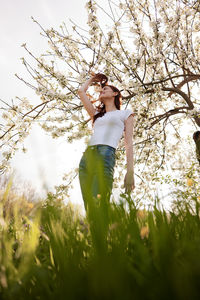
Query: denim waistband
{"x":100,"y":146}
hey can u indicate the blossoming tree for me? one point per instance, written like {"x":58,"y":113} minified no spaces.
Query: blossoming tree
{"x":150,"y":50}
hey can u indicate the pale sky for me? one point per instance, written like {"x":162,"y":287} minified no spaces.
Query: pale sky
{"x":46,"y":159}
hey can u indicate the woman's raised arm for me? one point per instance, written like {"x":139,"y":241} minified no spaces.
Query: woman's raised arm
{"x":84,"y":98}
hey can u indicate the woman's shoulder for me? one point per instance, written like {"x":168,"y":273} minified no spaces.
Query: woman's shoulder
{"x":126,"y":113}
{"x":128,"y":109}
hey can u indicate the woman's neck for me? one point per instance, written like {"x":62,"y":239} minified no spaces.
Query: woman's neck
{"x":110,"y":108}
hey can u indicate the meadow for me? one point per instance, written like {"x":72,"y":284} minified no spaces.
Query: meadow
{"x":49,"y":251}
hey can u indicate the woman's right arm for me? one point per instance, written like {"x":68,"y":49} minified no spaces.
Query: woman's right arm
{"x":84,"y":98}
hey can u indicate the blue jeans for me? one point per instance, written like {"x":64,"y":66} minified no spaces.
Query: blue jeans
{"x":96,"y":169}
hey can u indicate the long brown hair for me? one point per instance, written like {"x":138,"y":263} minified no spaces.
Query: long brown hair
{"x":101,"y":107}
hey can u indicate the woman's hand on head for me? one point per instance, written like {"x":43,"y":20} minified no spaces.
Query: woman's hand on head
{"x":99,"y":78}
{"x":96,"y":78}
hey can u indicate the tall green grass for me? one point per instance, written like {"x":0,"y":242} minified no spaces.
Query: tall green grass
{"x":52,"y":252}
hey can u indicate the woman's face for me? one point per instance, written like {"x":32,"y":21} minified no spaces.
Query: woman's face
{"x":107,"y":92}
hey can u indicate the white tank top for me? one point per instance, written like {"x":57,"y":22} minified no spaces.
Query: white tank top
{"x":108,"y":130}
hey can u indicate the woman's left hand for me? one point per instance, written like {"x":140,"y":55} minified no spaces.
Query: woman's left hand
{"x":129,"y":182}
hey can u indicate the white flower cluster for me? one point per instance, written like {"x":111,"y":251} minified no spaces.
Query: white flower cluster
{"x":93,"y":23}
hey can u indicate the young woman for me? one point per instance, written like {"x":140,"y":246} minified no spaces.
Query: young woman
{"x":96,"y":166}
